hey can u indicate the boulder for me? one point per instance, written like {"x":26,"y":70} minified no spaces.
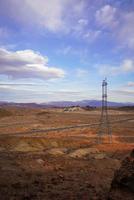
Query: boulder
{"x":122,"y":186}
{"x":82,"y":152}
{"x":56,"y":151}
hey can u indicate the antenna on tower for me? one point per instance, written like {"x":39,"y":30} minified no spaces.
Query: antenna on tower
{"x":104,"y":126}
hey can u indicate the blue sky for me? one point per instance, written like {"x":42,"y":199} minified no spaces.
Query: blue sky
{"x":62,"y":50}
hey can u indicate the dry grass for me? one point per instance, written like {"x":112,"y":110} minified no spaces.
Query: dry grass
{"x":59,"y":165}
{"x":5,"y":113}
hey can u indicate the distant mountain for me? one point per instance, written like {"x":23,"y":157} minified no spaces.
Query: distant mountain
{"x":83,"y":103}
{"x":25,"y":105}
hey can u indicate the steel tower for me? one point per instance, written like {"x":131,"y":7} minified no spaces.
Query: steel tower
{"x":104,"y":126}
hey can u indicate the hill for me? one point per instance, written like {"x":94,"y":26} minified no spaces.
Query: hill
{"x":61,"y":104}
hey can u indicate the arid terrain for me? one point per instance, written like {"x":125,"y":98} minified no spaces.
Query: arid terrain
{"x":43,"y":156}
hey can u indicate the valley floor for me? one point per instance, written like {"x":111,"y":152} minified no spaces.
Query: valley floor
{"x":67,"y":164}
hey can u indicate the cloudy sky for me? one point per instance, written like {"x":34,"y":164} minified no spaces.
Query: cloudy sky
{"x":54,"y":50}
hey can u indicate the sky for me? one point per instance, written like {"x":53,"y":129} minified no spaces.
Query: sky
{"x":55,"y":50}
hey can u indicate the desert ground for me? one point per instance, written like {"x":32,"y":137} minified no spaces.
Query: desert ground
{"x":43,"y":156}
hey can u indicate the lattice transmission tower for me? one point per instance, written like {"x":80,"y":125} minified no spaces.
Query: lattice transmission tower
{"x":104,"y":126}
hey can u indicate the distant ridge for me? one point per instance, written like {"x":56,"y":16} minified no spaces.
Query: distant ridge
{"x":83,"y":103}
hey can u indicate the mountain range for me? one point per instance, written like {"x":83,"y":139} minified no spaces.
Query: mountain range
{"x":83,"y":103}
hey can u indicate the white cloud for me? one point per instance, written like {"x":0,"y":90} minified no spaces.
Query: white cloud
{"x":127,"y":66}
{"x":119,"y":22}
{"x":130,"y":84}
{"x":83,"y":22}
{"x":75,"y":52}
{"x":77,"y":17}
{"x":53,"y":15}
{"x":107,"y":69}
{"x":56,"y":16}
{"x":123,"y":92}
{"x":121,"y":95}
{"x":27,"y":64}
{"x":78,"y":6}
{"x":126,"y":30}
{"x":80,"y":25}
{"x":91,"y":35}
{"x":48,"y":13}
{"x":106,"y":16}
{"x":40,"y":94}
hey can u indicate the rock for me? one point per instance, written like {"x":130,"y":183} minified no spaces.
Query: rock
{"x":40,"y":161}
{"x":61,"y":176}
{"x":54,"y":144}
{"x":99,"y":156}
{"x":122,"y":186}
{"x":56,"y":151}
{"x":82,"y":152}
{"x":24,"y":146}
{"x":132,"y":154}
